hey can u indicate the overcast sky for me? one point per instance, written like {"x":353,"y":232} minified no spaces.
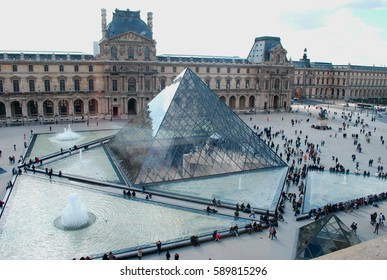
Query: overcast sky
{"x":337,"y":31}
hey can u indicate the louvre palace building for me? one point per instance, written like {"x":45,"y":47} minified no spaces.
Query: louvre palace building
{"x":126,"y":73}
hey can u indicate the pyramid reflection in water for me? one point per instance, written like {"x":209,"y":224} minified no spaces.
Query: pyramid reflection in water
{"x":187,"y":132}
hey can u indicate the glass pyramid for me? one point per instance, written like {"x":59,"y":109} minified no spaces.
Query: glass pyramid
{"x":324,"y":236}
{"x":187,"y":132}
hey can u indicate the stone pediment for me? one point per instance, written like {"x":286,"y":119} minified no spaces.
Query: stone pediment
{"x":278,"y":56}
{"x":129,"y":37}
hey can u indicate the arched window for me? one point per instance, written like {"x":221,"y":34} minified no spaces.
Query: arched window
{"x":266,"y":84}
{"x":113,"y":52}
{"x":2,"y":110}
{"x":242,"y":103}
{"x":48,"y":108}
{"x":93,"y":106}
{"x":32,"y":108}
{"x":232,"y":102}
{"x":78,"y":107}
{"x":130,"y":52}
{"x":146,"y":53}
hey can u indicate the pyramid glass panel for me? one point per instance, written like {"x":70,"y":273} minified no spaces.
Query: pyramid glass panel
{"x":324,"y":236}
{"x":187,"y":132}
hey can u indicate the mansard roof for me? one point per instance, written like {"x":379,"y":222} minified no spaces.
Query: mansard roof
{"x":125,"y":21}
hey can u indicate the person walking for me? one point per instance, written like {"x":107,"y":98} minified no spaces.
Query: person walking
{"x":381,"y":220}
{"x":376,"y":228}
{"x":271,"y":231}
{"x":354,"y":227}
{"x":274,"y":234}
{"x":252,"y":214}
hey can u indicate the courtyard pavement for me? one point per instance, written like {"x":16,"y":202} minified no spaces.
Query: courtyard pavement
{"x":258,"y":246}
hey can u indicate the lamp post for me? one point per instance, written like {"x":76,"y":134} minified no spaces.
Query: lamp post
{"x":111,"y":107}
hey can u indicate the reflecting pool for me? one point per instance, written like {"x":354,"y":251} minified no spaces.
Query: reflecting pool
{"x":47,"y":143}
{"x":327,"y":187}
{"x":94,"y":160}
{"x":28,"y":231}
{"x":260,"y":188}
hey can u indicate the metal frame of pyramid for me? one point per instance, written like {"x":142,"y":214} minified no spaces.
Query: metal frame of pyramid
{"x":186,"y":132}
{"x":324,"y":236}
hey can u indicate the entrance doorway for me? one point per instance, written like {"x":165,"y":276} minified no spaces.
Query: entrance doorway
{"x":276,"y":102}
{"x":115,"y":112}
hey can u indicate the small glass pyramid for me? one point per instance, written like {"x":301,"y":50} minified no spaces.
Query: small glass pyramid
{"x":187,"y":132}
{"x":324,"y":236}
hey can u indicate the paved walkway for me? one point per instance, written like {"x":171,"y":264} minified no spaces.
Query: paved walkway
{"x":258,"y":245}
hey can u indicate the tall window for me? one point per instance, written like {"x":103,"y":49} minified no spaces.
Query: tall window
{"x":197,"y":69}
{"x":146,"y":53}
{"x":174,"y":69}
{"x":132,"y":84}
{"x":208,"y":82}
{"x":218,"y":70}
{"x":77,"y":85}
{"x":91,"y":68}
{"x":277,"y":84}
{"x":31,"y":85}
{"x":238,"y":84}
{"x":62,"y":85}
{"x":238,"y":70}
{"x":1,"y":86}
{"x":277,"y":59}
{"x":208,"y":69}
{"x":266,"y":84}
{"x":45,"y":68}
{"x":162,"y":84}
{"x":30,"y":68}
{"x":247,"y":83}
{"x":91,"y":84}
{"x":114,"y":85}
{"x":14,"y":68}
{"x":113,"y":52}
{"x":228,"y":70}
{"x":76,"y":68}
{"x":218,"y":84}
{"x":61,"y":68}
{"x":46,"y":85}
{"x":130,"y":52}
{"x":15,"y":84}
{"x":228,"y":83}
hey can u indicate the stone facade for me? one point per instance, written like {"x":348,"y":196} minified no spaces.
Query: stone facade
{"x":42,"y":87}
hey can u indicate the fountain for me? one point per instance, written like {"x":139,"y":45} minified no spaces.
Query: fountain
{"x":344,"y":180}
{"x":67,"y":135}
{"x":32,"y":234}
{"x":74,"y":216}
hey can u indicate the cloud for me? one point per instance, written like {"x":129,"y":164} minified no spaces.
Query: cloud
{"x":305,"y":20}
{"x":366,"y":4}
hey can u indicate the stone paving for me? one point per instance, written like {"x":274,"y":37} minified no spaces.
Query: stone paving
{"x":258,"y":245}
